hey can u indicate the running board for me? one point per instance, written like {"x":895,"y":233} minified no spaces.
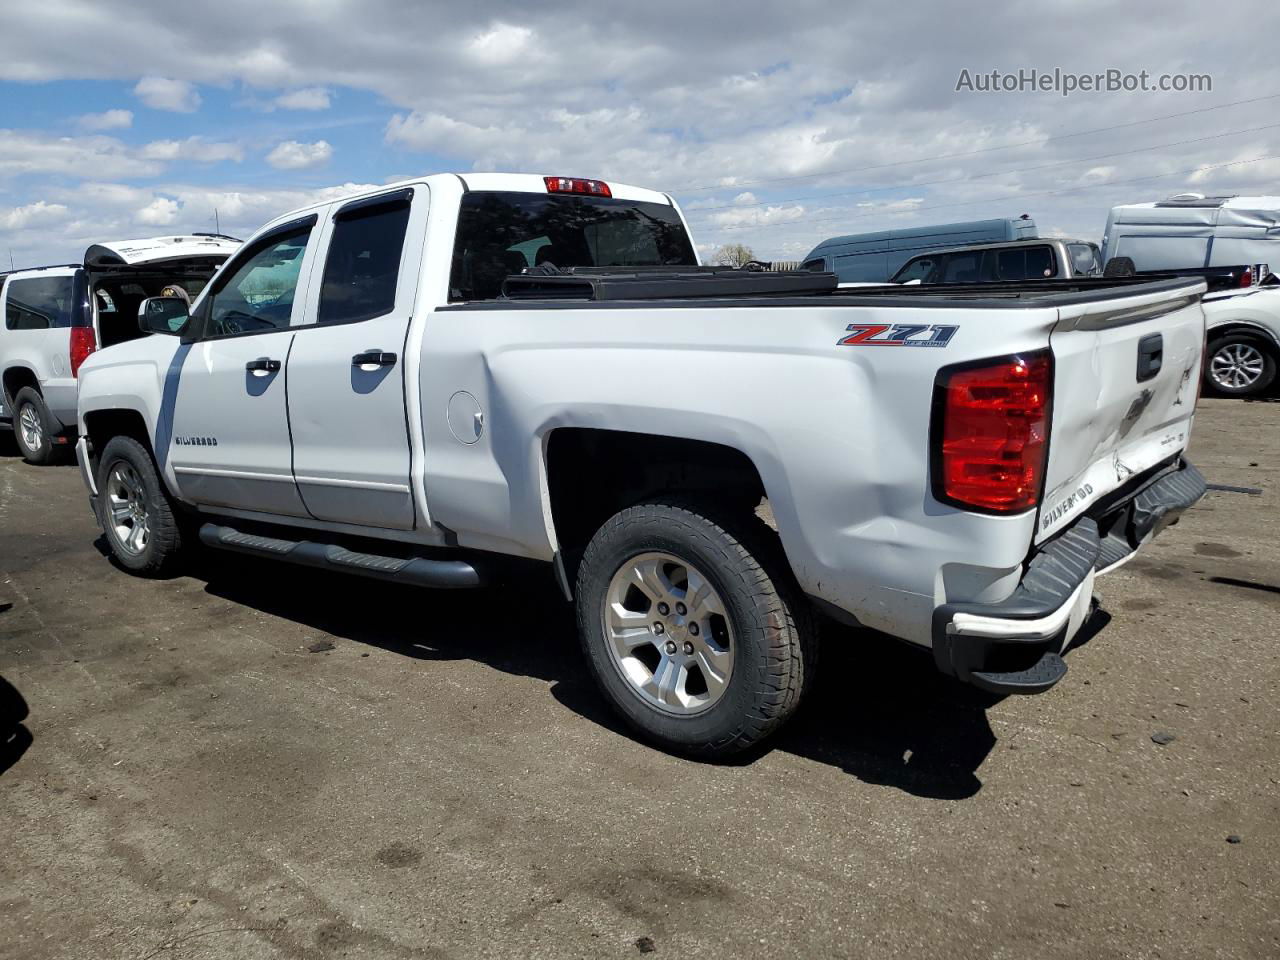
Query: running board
{"x":417,"y":571}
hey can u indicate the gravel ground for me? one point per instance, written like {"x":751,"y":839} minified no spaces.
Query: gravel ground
{"x":261,"y":762}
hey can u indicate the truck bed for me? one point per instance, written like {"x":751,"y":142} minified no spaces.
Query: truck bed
{"x":717,"y":287}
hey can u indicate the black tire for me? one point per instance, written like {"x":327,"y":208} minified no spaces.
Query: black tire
{"x":163,"y":546}
{"x":29,"y":399}
{"x":1235,"y":341}
{"x":774,"y":645}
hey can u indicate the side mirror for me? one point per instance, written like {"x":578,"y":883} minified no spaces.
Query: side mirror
{"x":162,"y":315}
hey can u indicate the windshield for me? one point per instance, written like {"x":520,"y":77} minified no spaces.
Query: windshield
{"x":500,"y":234}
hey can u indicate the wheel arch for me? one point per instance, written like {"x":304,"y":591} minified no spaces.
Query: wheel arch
{"x":15,"y":378}
{"x":1249,"y":327}
{"x":592,"y":473}
{"x":103,"y":424}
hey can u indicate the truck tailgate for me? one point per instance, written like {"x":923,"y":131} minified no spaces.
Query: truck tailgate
{"x":1126,"y":375}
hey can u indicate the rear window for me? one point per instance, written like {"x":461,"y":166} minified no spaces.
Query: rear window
{"x":500,"y":234}
{"x":39,"y":303}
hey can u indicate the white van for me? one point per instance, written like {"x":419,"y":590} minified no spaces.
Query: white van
{"x":1192,"y":230}
{"x":52,"y":318}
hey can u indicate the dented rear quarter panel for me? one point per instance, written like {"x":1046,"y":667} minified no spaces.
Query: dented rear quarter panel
{"x":839,"y":434}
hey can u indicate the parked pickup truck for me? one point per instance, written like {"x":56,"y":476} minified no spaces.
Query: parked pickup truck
{"x":420,"y":382}
{"x":1030,"y":259}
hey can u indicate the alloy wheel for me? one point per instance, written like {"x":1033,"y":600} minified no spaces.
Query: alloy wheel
{"x":668,"y":633}
{"x":32,"y":427}
{"x":1237,"y":366}
{"x":127,"y":509}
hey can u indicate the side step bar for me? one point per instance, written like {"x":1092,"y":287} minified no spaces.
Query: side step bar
{"x":418,"y":571}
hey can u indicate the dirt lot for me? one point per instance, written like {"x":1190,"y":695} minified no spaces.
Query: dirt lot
{"x":256,"y":761}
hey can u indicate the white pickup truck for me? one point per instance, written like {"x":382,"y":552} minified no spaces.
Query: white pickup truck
{"x":419,"y":382}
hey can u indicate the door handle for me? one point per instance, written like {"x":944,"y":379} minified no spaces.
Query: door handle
{"x":374,"y":358}
{"x":262,"y":366}
{"x":1150,"y":356}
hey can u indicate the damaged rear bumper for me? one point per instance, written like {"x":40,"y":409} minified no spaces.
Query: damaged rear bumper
{"x":1016,"y":645}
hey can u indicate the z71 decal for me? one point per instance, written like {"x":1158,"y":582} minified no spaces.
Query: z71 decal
{"x":897,"y":335}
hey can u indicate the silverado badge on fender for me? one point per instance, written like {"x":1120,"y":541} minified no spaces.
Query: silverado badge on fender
{"x":897,"y":335}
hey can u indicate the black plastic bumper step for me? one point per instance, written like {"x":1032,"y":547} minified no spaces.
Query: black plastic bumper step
{"x":1158,"y":504}
{"x":1114,"y":548}
{"x":417,"y":571}
{"x":1037,"y":678}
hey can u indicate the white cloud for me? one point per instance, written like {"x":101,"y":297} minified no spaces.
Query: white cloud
{"x":500,"y":44}
{"x":292,"y":155}
{"x":308,"y":98}
{"x":162,"y":93}
{"x":758,"y":217}
{"x":160,"y":212}
{"x":107,"y":120}
{"x":33,"y":215}
{"x":196,"y":149}
{"x":23,"y":153}
{"x":267,"y":64}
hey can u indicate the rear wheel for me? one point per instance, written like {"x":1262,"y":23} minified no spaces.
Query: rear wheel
{"x":1240,"y":365}
{"x":694,"y":627}
{"x":140,"y":521}
{"x":33,"y":426}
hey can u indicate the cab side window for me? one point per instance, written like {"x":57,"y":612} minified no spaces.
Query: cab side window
{"x":38,"y":303}
{"x":961,"y":267}
{"x":363,"y":263}
{"x":256,"y":296}
{"x":920,"y":269}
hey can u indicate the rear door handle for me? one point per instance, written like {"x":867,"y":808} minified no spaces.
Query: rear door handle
{"x":374,"y":358}
{"x":262,"y":365}
{"x":1150,"y":356}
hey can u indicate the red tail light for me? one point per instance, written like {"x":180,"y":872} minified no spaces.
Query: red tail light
{"x":83,"y":343}
{"x":1246,"y":279}
{"x":596,"y":188}
{"x":991,"y":433}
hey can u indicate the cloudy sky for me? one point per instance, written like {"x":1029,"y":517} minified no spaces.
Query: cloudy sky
{"x":775,"y":125}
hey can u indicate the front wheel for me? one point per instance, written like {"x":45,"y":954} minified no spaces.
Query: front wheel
{"x":141,"y":524}
{"x":694,"y":627}
{"x":1240,"y":365}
